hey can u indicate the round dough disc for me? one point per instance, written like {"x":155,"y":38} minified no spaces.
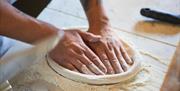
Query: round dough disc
{"x":101,"y":79}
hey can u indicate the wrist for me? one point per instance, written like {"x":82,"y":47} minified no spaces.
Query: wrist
{"x":98,"y":20}
{"x":41,"y":30}
{"x":97,"y":17}
{"x":99,"y":26}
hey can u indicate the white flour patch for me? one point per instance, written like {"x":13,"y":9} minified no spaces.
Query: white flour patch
{"x":42,"y":71}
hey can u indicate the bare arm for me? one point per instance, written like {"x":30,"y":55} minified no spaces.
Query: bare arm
{"x":109,"y":49}
{"x":95,"y":13}
{"x":71,"y":52}
{"x":17,"y":25}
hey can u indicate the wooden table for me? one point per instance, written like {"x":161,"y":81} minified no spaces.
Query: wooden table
{"x":172,"y":79}
{"x":150,"y":37}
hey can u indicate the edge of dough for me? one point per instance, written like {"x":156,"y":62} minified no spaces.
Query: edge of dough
{"x":100,"y":79}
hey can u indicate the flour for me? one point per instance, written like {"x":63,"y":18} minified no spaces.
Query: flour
{"x":153,"y":56}
{"x":41,"y":73}
{"x":102,"y":79}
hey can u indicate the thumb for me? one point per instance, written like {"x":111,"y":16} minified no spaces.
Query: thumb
{"x":89,"y":37}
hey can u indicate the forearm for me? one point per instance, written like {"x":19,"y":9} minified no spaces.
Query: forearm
{"x":95,"y":12}
{"x":17,"y":25}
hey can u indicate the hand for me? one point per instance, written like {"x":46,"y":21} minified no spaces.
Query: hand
{"x":110,"y":50}
{"x":72,"y":53}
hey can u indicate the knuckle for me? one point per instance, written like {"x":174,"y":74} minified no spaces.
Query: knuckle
{"x":90,"y":63}
{"x":83,"y":47}
{"x":71,"y":44}
{"x":109,"y":50}
{"x":114,"y":60}
{"x":121,"y":58}
{"x":88,"y":35}
{"x":96,"y":60}
{"x":69,"y":51}
{"x":80,"y":53}
{"x":111,"y":43}
{"x":123,"y":52}
{"x":106,"y":61}
{"x":104,"y":57}
{"x":75,"y":45}
{"x":108,"y":38}
{"x":78,"y":50}
{"x":101,"y":41}
{"x":82,"y":66}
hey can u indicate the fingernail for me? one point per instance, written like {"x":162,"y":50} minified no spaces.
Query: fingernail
{"x":132,"y":61}
{"x":104,"y":70}
{"x":75,"y":70}
{"x":119,"y":70}
{"x":129,"y":60}
{"x":111,"y":72}
{"x":85,"y":70}
{"x":125,"y":67}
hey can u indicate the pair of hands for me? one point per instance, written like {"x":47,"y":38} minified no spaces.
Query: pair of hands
{"x":87,"y":53}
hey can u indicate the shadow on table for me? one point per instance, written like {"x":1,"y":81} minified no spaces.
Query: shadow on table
{"x":156,"y":27}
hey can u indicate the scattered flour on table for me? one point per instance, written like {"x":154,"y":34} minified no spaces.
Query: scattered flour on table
{"x":32,"y":79}
{"x":153,"y":56}
{"x":43,"y":72}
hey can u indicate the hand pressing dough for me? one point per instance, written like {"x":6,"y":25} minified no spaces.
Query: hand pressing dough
{"x":143,"y":81}
{"x":101,"y":79}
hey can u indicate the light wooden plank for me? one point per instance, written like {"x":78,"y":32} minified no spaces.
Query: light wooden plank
{"x":171,"y":81}
{"x":161,"y":50}
{"x":60,"y":19}
{"x":125,"y":15}
{"x":153,"y":80}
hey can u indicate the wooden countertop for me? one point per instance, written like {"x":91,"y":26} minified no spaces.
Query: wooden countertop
{"x":150,"y":37}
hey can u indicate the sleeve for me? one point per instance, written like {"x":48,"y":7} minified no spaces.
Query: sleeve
{"x":11,"y":1}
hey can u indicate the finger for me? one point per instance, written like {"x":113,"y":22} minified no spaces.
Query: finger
{"x":77,"y":49}
{"x":85,"y":60}
{"x":81,"y":67}
{"x":90,"y":65}
{"x":123,"y":63}
{"x":68,"y":65}
{"x":77,"y":63}
{"x":125,"y":55}
{"x":102,"y":55}
{"x":113,"y":59}
{"x":94,"y":58}
{"x":89,"y":36}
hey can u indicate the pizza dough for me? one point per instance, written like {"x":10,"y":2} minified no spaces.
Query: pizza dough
{"x":42,"y":71}
{"x":101,"y":79}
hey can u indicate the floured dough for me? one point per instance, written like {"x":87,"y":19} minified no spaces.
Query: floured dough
{"x":41,"y":71}
{"x":101,"y":79}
